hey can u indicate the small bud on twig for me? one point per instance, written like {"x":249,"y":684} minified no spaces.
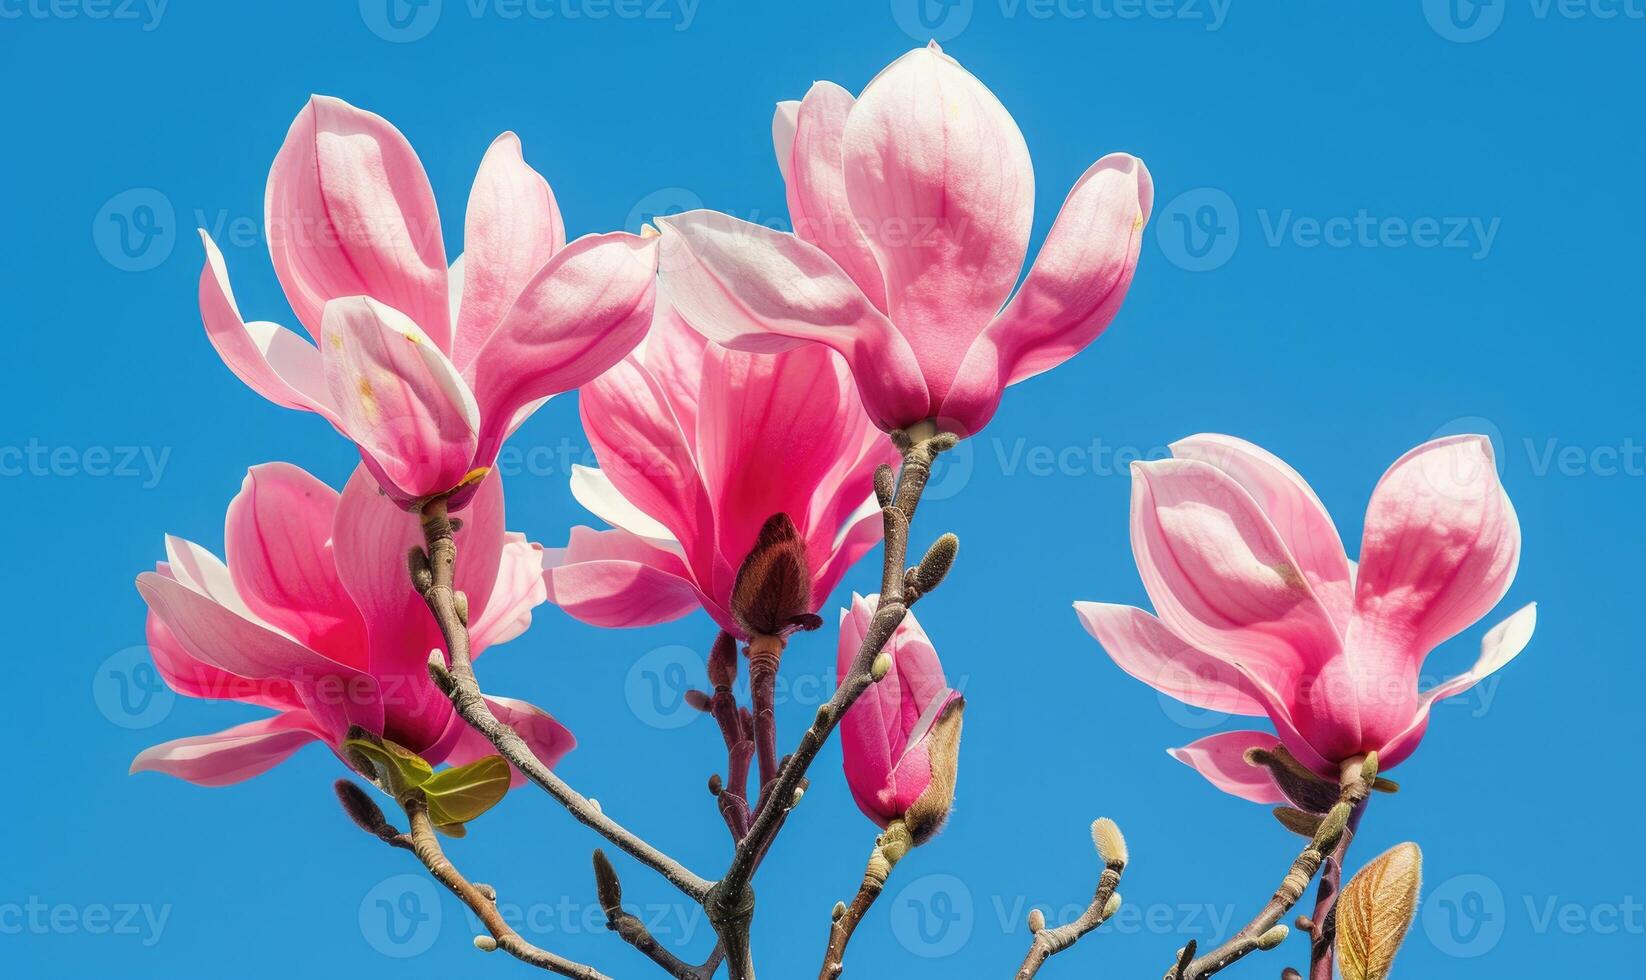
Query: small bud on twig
{"x":1037,"y":920}
{"x":838,"y":911}
{"x":606,"y":886}
{"x":1110,"y":843}
{"x":1274,"y":937}
{"x":485,"y":944}
{"x":927,"y":575}
{"x":881,"y":667}
{"x":716,"y":784}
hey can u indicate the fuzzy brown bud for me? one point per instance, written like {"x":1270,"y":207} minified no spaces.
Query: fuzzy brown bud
{"x":772,"y":594}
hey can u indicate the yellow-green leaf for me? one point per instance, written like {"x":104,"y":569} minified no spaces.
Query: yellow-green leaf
{"x":398,"y":768}
{"x":1375,"y":910}
{"x":460,"y":794}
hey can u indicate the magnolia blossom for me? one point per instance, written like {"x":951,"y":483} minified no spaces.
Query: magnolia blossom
{"x":699,"y":447}
{"x":1262,"y":613}
{"x":314,"y":616}
{"x":912,"y":207}
{"x":901,"y":739}
{"x":426,"y":369}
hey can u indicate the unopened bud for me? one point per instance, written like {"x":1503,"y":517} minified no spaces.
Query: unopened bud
{"x":1111,"y":906}
{"x":772,"y":594}
{"x":838,"y":911}
{"x":723,"y":661}
{"x":716,"y":785}
{"x":460,"y":599}
{"x":1274,"y":937}
{"x":485,"y":944}
{"x":925,"y":816}
{"x":932,"y":568}
{"x":1037,"y":920}
{"x":1111,"y":845}
{"x":881,"y":667}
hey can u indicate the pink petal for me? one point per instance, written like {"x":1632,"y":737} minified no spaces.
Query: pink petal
{"x":1221,"y":758}
{"x":229,"y":756}
{"x":350,"y":213}
{"x":1440,"y":547}
{"x":1219,"y":574}
{"x":674,"y":353}
{"x":939,"y":180}
{"x":191,"y":678}
{"x":271,"y":360}
{"x":614,"y":579}
{"x":1501,"y":644}
{"x":1297,"y":514}
{"x":816,"y":181}
{"x":861,"y":532}
{"x":278,"y":542}
{"x":398,"y":398}
{"x":579,"y":315}
{"x":512,"y":228}
{"x":1074,"y":289}
{"x":1143,"y":647}
{"x":547,"y":738}
{"x":518,"y":591}
{"x":755,"y":289}
{"x":784,"y":122}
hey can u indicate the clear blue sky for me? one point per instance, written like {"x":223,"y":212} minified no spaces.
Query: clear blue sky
{"x":1397,"y":219}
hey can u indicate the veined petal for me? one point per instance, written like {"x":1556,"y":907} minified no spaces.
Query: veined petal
{"x":939,"y":181}
{"x":398,"y":397}
{"x":816,"y":180}
{"x":518,"y":591}
{"x":754,"y":289}
{"x":1501,"y":644}
{"x":350,"y":213}
{"x":278,"y":543}
{"x":784,"y":122}
{"x":512,"y":228}
{"x":232,"y":755}
{"x":594,"y":490}
{"x":1143,"y":647}
{"x":1297,"y":514}
{"x":272,"y":361}
{"x":1221,"y":758}
{"x":614,"y":579}
{"x":1440,"y":548}
{"x":577,"y":317}
{"x":1219,"y":574}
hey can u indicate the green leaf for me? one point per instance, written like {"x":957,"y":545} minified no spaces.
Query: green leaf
{"x":398,"y":768}
{"x":452,"y":829}
{"x":460,"y":794}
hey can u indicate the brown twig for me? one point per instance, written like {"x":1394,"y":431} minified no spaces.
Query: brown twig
{"x":634,"y":932}
{"x":425,"y":844}
{"x":1264,"y":931}
{"x":433,"y":573}
{"x":1049,"y":942}
{"x":730,"y":902}
{"x":1323,"y":923}
{"x":889,"y":848}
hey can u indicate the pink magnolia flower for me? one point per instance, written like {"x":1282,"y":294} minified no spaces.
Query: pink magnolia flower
{"x":912,"y":207}
{"x":698,"y":447}
{"x":314,"y":616}
{"x":901,"y":739}
{"x":425,"y":369}
{"x":1262,"y":613}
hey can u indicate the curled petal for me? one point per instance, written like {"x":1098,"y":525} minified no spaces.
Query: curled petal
{"x":1440,"y":547}
{"x":399,"y":398}
{"x":816,"y":181}
{"x":755,"y":289}
{"x":232,"y":755}
{"x":350,"y":213}
{"x":1297,"y":514}
{"x":1143,"y":647}
{"x":518,"y":591}
{"x":512,"y":227}
{"x":581,"y":314}
{"x":1221,"y":758}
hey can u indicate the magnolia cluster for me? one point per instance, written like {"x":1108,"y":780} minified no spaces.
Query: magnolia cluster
{"x":736,"y":384}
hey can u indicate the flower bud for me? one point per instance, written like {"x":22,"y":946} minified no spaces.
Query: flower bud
{"x":772,"y":594}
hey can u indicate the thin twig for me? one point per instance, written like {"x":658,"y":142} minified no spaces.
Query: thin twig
{"x":1049,"y":942}
{"x":730,"y":903}
{"x":1356,"y":784}
{"x":889,"y":848}
{"x":460,"y":685}
{"x":1323,"y":923}
{"x":426,"y":845}
{"x":634,"y":932}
